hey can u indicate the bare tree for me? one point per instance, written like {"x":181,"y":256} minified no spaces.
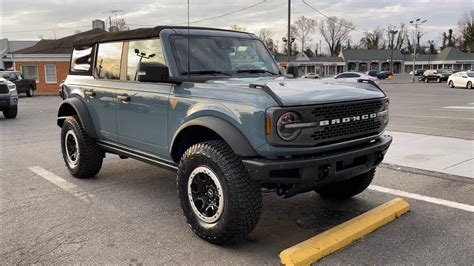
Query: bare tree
{"x":302,"y":28}
{"x":335,"y":32}
{"x":373,"y":40}
{"x":466,"y":33}
{"x":122,"y":25}
{"x":237,"y":27}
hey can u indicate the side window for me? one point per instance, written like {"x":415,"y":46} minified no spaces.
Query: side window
{"x":342,"y":76}
{"x":353,"y":75}
{"x":81,"y":60}
{"x":108,"y":60}
{"x":143,"y":51}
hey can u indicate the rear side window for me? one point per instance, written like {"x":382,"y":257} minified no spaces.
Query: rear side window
{"x":81,"y":60}
{"x":108,"y":60}
{"x":143,"y":51}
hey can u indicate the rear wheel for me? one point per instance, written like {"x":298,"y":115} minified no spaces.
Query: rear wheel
{"x":82,"y":155}
{"x":426,"y":80}
{"x":347,"y":188}
{"x":451,"y":84}
{"x":11,"y":112}
{"x":221,"y":202}
{"x":438,"y":80}
{"x":469,"y":85}
{"x":31,"y":92}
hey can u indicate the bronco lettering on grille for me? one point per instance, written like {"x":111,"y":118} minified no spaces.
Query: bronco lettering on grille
{"x":346,"y":119}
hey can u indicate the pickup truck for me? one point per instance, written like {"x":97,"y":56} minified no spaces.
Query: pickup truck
{"x":214,"y":107}
{"x":23,"y":85}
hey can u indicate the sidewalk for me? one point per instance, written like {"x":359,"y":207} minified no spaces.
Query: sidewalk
{"x":438,"y":154}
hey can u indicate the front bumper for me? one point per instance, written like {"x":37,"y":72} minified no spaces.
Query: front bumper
{"x":7,"y":102}
{"x":310,"y":172}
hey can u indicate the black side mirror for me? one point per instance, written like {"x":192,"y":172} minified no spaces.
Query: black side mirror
{"x":152,"y":72}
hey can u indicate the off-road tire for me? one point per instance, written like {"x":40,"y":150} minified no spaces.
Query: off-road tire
{"x":11,"y":112}
{"x":347,"y":188}
{"x":91,"y":156}
{"x":469,"y":85}
{"x":451,"y":84}
{"x":30,"y":92}
{"x":242,"y":196}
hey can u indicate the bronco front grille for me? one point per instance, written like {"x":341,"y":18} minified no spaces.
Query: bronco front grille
{"x":346,"y":131}
{"x":3,"y":88}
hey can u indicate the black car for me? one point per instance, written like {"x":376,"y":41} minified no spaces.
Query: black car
{"x":419,"y":72}
{"x":438,"y":75}
{"x":376,"y":74}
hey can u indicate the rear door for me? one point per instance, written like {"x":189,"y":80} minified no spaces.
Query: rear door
{"x":142,"y":110}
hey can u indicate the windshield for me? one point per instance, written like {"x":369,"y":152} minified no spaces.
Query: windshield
{"x":470,"y":74}
{"x":222,"y":56}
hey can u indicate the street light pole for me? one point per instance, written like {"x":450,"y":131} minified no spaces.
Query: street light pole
{"x":392,"y":32}
{"x":416,"y":23}
{"x":430,"y":43}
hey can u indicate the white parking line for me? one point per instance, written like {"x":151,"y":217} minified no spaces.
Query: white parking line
{"x":443,"y":202}
{"x":62,"y":183}
{"x":437,"y":117}
{"x":460,"y":107}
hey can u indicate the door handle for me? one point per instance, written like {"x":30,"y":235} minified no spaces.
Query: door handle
{"x":90,"y":93}
{"x":123,"y":98}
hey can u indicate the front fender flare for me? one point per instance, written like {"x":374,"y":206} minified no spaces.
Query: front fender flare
{"x":233,"y":136}
{"x":80,"y":109}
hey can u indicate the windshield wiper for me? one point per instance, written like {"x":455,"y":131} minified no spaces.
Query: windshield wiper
{"x":255,"y":71}
{"x":204,"y":72}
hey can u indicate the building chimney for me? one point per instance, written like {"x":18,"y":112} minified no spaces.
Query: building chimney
{"x":98,"y":24}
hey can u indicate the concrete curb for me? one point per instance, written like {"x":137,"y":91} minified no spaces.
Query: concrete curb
{"x":319,"y":246}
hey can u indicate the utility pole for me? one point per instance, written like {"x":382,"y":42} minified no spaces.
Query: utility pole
{"x":415,"y":23}
{"x":288,"y":36}
{"x":392,"y":33}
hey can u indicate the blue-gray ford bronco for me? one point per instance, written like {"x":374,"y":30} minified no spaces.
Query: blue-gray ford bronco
{"x":214,"y":106}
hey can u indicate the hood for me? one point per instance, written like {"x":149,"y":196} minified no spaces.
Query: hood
{"x":293,"y":92}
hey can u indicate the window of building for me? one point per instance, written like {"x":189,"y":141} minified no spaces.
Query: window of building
{"x":143,"y":51}
{"x":81,"y":59}
{"x":50,"y":74}
{"x":108,"y":60}
{"x":30,"y":72}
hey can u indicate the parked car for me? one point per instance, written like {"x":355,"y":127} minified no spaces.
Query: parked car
{"x":385,"y":74}
{"x":418,"y":72}
{"x":354,"y":77}
{"x":227,"y":131}
{"x":437,"y":75}
{"x":463,"y":79}
{"x":8,"y":98}
{"x":311,"y":76}
{"x":376,"y":74}
{"x":23,"y":85}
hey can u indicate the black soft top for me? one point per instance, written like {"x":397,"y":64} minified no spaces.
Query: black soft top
{"x":141,"y":33}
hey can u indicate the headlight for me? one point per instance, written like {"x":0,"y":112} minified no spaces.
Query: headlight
{"x":12,"y":87}
{"x":288,"y":133}
{"x":384,"y":113}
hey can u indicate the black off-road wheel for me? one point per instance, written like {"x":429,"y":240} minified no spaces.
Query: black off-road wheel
{"x":82,"y":155}
{"x":221,"y":202}
{"x":30,"y":92}
{"x":347,"y":188}
{"x":11,"y":112}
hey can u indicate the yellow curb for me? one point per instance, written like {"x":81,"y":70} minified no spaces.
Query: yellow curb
{"x":329,"y":241}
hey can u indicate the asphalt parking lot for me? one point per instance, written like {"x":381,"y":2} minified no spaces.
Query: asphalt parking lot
{"x":130,"y":214}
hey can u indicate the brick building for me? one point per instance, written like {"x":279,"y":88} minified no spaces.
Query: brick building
{"x":47,"y":61}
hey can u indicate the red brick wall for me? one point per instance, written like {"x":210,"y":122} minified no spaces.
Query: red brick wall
{"x":62,"y":69}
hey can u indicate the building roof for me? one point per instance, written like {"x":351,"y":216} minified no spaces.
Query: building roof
{"x":328,"y":59}
{"x":141,"y":33}
{"x":59,"y":46}
{"x":371,"y":54}
{"x":447,"y":54}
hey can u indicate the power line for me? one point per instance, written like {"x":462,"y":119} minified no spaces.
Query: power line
{"x":331,"y":19}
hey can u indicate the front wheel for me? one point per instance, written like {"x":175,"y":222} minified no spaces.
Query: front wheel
{"x":11,"y":112}
{"x":451,"y":84}
{"x":82,"y":155}
{"x":469,"y":85}
{"x":438,"y":80}
{"x":220,"y":201}
{"x":347,"y":188}
{"x":31,"y":92}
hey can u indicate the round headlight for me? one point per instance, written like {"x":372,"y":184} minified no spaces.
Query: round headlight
{"x":287,"y":133}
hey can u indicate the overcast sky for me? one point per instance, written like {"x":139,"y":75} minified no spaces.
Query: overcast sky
{"x":29,"y":19}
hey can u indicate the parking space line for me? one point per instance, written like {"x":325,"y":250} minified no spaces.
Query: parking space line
{"x":438,"y":117}
{"x":443,"y":202}
{"x":61,"y":183}
{"x":460,"y":107}
{"x":330,"y":241}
